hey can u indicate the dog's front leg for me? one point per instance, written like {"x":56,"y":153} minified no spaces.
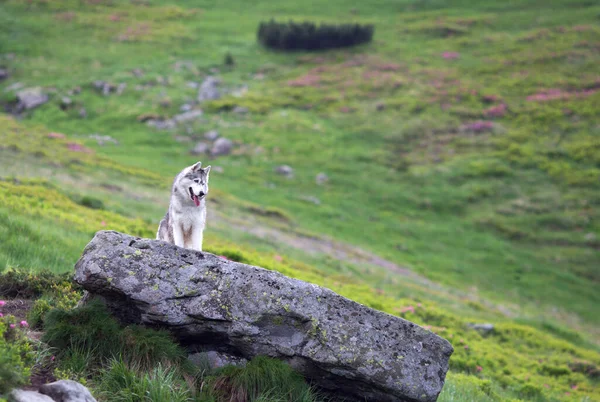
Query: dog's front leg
{"x":178,"y":235}
{"x":197,"y":236}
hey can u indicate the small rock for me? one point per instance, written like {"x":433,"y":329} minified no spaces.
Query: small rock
{"x":14,"y":87}
{"x":3,"y":74}
{"x":222,"y":146}
{"x":285,"y":170}
{"x":103,"y":139}
{"x":182,"y":138}
{"x":83,"y":113}
{"x":66,"y":103}
{"x":67,"y":391}
{"x":187,"y":116}
{"x":30,"y":98}
{"x":240,"y":110}
{"x":19,"y":395}
{"x":209,"y":89}
{"x":162,"y":124}
{"x":137,"y":72}
{"x":310,"y":198}
{"x":322,"y":178}
{"x":192,"y":84}
{"x":211,"y":135}
{"x":200,"y":148}
{"x":186,"y":107}
{"x":74,"y":91}
{"x":483,"y":328}
{"x":380,"y":106}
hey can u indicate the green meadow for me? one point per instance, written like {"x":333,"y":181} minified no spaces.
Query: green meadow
{"x":461,"y":149}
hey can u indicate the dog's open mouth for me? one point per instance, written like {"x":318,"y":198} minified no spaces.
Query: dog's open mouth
{"x":194,"y":197}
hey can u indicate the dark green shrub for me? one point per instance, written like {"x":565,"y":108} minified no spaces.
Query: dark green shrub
{"x":91,"y":202}
{"x":309,"y":36}
{"x":229,"y":61}
{"x":29,"y":285}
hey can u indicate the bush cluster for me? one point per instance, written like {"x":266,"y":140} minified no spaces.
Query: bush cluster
{"x":309,"y":36}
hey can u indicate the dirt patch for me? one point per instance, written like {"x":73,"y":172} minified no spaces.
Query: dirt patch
{"x":17,"y":307}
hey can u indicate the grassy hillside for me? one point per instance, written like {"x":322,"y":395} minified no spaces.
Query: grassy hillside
{"x":462,"y":146}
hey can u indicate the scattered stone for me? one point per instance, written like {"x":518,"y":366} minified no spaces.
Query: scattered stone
{"x":3,"y":74}
{"x":83,"y":113}
{"x":14,"y":87}
{"x":209,"y":90}
{"x":211,"y":135}
{"x":74,"y":91}
{"x":240,"y":110}
{"x":19,"y":395}
{"x":310,"y":198}
{"x":321,"y":178}
{"x":30,"y":98}
{"x":103,"y":139}
{"x":200,"y":148}
{"x":182,"y":138}
{"x":187,"y":116}
{"x":285,"y":170}
{"x":66,"y":103}
{"x":67,"y":391}
{"x":483,"y":328}
{"x":106,"y":88}
{"x":222,"y":146}
{"x":339,"y":345}
{"x":167,"y":124}
{"x":186,"y":107}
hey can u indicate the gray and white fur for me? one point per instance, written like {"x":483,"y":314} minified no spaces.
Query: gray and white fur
{"x":183,"y":225}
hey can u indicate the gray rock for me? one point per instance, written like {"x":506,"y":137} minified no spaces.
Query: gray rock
{"x":209,"y":303}
{"x":186,"y":107}
{"x":240,"y":110}
{"x":321,"y":178}
{"x":83,"y":113}
{"x":30,"y":98}
{"x":310,"y":198}
{"x":200,"y":148}
{"x":209,"y":89}
{"x":19,"y":395}
{"x":285,"y":170}
{"x":483,"y":328}
{"x":222,"y":146}
{"x":104,"y":139}
{"x":187,"y":116}
{"x":211,"y":135}
{"x":3,"y":74}
{"x":162,"y":124}
{"x":66,"y":103}
{"x":67,"y":391}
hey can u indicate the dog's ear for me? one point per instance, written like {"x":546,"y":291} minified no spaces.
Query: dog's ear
{"x":207,"y":170}
{"x":196,"y":167}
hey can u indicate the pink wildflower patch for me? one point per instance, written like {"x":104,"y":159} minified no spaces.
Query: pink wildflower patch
{"x":574,"y":386}
{"x":450,"y":55}
{"x":56,"y":135}
{"x":102,"y":223}
{"x":558,"y":94}
{"x":407,"y":309}
{"x":73,"y":146}
{"x":466,"y":347}
{"x":24,"y":324}
{"x":2,"y":303}
{"x":479,"y":369}
{"x":496,"y":111}
{"x":478,"y":126}
{"x":278,"y":258}
{"x":223,"y":257}
{"x":12,"y":326}
{"x":308,"y":80}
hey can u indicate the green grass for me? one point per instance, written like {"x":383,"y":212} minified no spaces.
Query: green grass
{"x":504,"y":221}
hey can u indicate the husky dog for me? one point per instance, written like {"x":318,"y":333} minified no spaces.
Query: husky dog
{"x":183,"y":225}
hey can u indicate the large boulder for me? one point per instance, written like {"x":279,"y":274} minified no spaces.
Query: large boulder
{"x":67,"y":391}
{"x":209,"y":303}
